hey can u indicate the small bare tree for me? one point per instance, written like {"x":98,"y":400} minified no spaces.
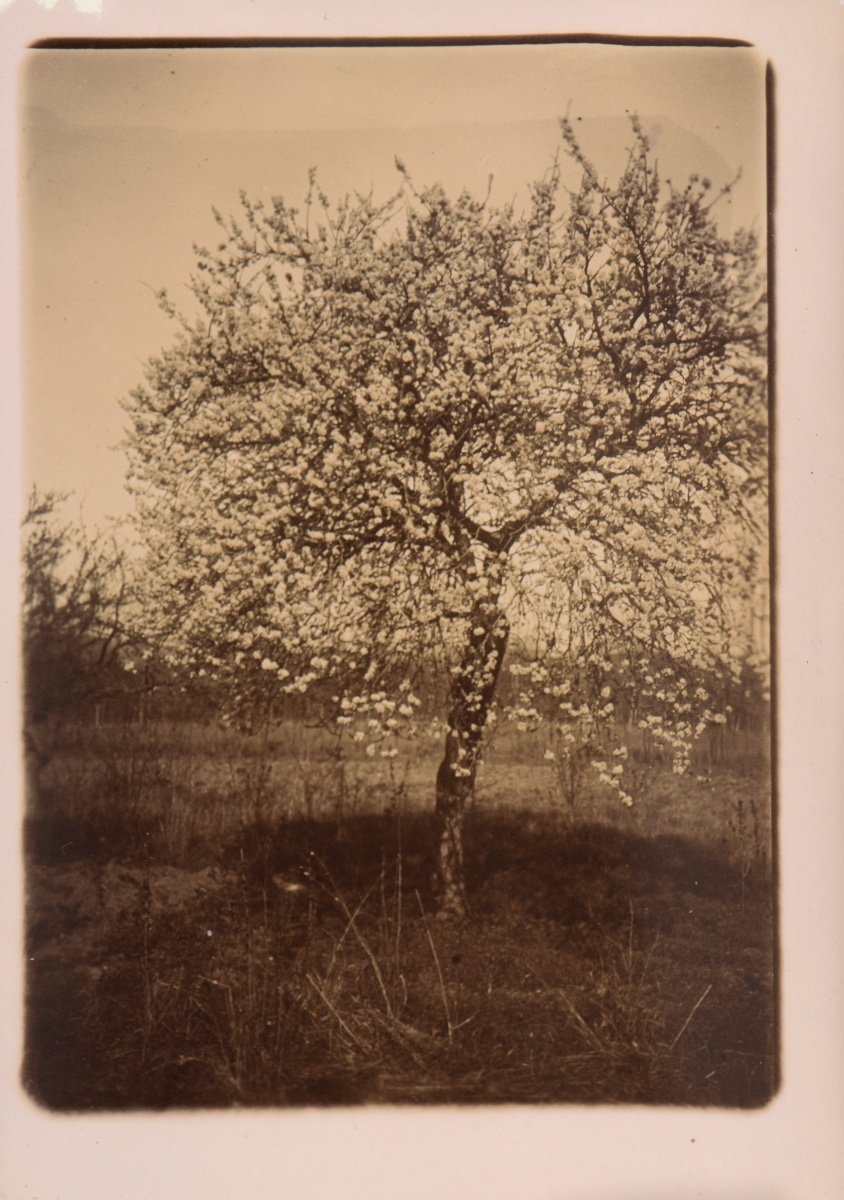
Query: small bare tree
{"x":74,"y":602}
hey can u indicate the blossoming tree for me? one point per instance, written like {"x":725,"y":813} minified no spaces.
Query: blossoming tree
{"x":395,"y":433}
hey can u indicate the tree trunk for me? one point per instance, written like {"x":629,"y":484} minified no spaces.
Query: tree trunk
{"x":472,"y":693}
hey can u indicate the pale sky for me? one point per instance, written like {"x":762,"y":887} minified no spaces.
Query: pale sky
{"x":124,"y":153}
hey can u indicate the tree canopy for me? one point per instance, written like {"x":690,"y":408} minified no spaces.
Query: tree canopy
{"x":394,"y":433}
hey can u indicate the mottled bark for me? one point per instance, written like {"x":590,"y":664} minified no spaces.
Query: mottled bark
{"x":472,"y":693}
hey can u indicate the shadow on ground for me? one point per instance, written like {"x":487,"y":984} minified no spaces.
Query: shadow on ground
{"x":303,"y":965}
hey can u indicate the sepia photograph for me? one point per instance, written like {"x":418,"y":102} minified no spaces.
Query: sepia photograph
{"x":397,"y":699}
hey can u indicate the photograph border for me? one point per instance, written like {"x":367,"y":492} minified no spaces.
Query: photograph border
{"x":787,"y":1150}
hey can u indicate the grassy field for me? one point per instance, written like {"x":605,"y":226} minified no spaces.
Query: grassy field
{"x":215,"y":920}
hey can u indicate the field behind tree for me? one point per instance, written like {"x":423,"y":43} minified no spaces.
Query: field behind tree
{"x":216,"y":918}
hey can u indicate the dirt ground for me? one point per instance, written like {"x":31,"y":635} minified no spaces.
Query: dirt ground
{"x":597,"y":965}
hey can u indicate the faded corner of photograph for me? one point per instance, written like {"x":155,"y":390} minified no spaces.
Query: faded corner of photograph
{"x":396,"y":623}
